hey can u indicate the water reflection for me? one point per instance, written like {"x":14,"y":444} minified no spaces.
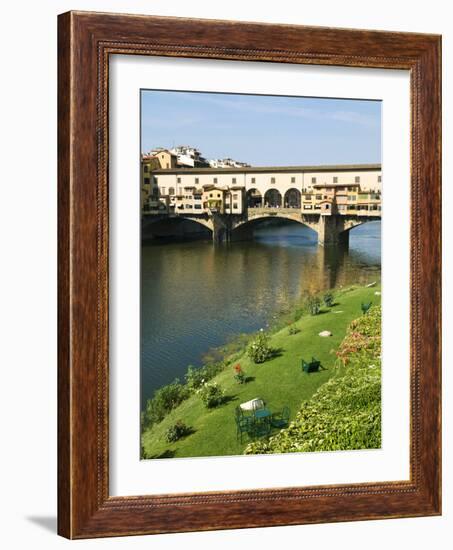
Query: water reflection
{"x":196,"y":296}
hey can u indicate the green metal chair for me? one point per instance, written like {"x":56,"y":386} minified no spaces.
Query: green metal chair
{"x":244,"y":425}
{"x":280,"y":419}
{"x":261,"y":428}
{"x":313,"y":366}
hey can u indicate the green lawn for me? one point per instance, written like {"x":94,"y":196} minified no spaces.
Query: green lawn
{"x":279,"y":381}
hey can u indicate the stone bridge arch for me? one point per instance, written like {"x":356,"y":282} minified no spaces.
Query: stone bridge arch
{"x":155,"y":226}
{"x":243,"y":228}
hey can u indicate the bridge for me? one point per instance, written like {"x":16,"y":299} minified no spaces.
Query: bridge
{"x":332,"y":228}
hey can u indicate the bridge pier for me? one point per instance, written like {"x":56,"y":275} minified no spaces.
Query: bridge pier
{"x":331,"y":231}
{"x":221,"y":228}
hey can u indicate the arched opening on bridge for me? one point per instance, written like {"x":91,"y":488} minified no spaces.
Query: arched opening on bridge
{"x":364,"y":235}
{"x":272,"y":199}
{"x":254,"y":198}
{"x":268,"y":228}
{"x":157,"y":228}
{"x":292,"y":198}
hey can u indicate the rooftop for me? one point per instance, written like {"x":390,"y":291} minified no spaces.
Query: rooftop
{"x":257,"y":169}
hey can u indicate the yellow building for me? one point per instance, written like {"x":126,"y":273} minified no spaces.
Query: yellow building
{"x":214,"y":199}
{"x":149,"y":164}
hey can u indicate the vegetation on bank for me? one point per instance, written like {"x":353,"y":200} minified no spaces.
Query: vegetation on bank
{"x":345,"y":412}
{"x":266,"y":365}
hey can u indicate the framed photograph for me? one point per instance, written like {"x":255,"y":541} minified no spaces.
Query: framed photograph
{"x":249,"y":275}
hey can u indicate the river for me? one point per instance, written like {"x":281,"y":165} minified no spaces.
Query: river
{"x":196,"y":296}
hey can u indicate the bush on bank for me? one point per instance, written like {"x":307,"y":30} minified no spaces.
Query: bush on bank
{"x":164,"y":400}
{"x":344,"y":413}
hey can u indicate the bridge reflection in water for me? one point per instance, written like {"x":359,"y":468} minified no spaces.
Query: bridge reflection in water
{"x":196,"y":296}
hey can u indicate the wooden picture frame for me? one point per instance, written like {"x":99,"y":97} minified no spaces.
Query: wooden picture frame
{"x":85,"y":41}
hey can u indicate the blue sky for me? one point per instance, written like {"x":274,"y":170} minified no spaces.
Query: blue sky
{"x":264,"y":130}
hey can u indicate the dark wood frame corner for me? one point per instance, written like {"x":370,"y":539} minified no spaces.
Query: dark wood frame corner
{"x":85,"y":41}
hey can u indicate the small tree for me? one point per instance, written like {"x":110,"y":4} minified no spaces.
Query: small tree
{"x":239,"y":374}
{"x":259,"y":349}
{"x":328,"y":299}
{"x":314,"y":305}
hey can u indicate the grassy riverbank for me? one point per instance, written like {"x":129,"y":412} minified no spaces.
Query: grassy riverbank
{"x":279,"y":381}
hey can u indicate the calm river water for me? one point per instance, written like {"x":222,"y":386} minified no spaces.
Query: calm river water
{"x":196,"y":296}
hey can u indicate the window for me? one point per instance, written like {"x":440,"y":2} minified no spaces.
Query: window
{"x":168,"y":166}
{"x":210,"y":195}
{"x":178,"y":180}
{"x":233,"y":180}
{"x":171,"y":190}
{"x":147,"y":181}
{"x":253,"y":180}
{"x":146,"y":168}
{"x":308,"y":197}
{"x":155,"y":179}
{"x":293,"y":180}
{"x":162,"y":190}
{"x":197,"y":206}
{"x":352,"y":198}
{"x":197,"y":180}
{"x":235,"y":206}
{"x":351,"y":206}
{"x":307,"y":207}
{"x":313,"y":180}
{"x":357,"y":179}
{"x":189,"y":206}
{"x":272,"y":180}
{"x":379,"y":178}
{"x":218,"y":195}
{"x":341,"y":207}
{"x":235,"y":196}
{"x":318,"y":197}
{"x":215,"y":180}
{"x":335,"y":179}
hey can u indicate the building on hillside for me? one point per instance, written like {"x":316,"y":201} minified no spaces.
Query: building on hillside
{"x":167,"y":159}
{"x":188,"y":157}
{"x":227,"y":163}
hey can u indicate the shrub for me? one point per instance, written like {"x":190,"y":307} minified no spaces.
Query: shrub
{"x":345,"y":412}
{"x":197,"y":376}
{"x":328,"y":299}
{"x":313,"y":305}
{"x":164,"y":400}
{"x":211,"y":394}
{"x":293,"y":330}
{"x":194,"y":377}
{"x":176,"y":431}
{"x":259,"y":349}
